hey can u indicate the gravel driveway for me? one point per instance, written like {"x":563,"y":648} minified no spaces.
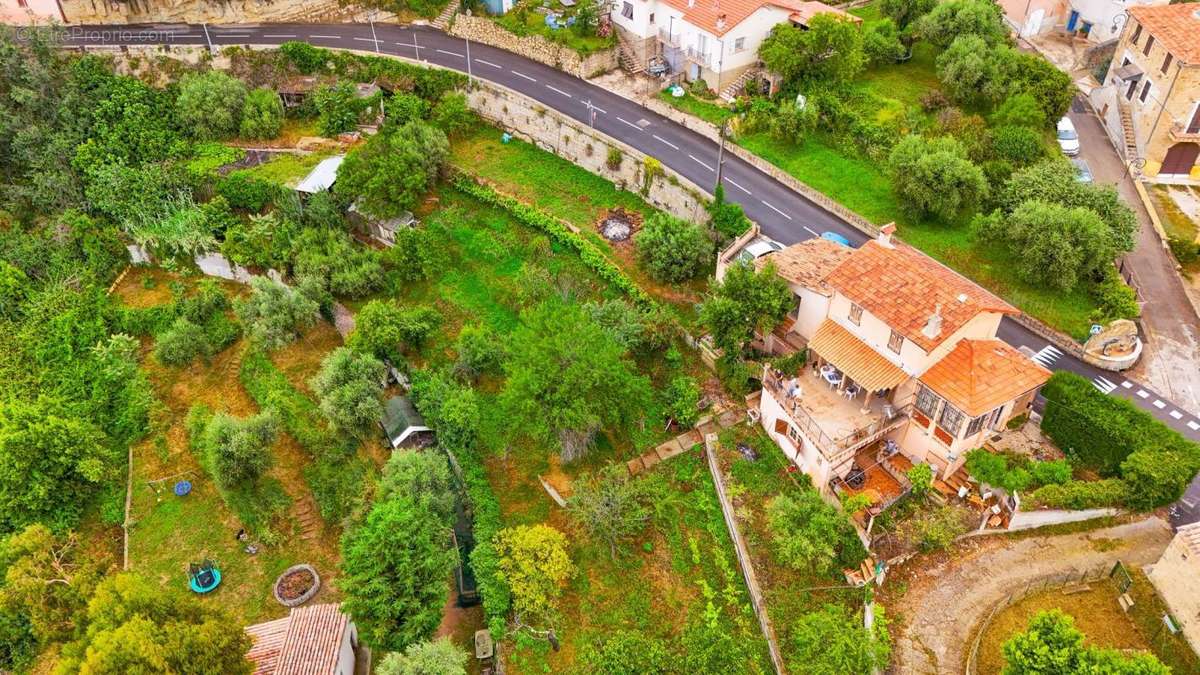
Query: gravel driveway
{"x":946,"y":600}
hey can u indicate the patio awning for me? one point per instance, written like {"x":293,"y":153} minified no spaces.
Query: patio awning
{"x":871,"y":370}
{"x":1128,"y":72}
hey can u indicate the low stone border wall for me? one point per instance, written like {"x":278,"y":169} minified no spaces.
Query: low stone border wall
{"x":308,"y":595}
{"x":536,"y":47}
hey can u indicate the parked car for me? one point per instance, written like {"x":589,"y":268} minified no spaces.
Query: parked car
{"x":1068,"y":139}
{"x":836,"y":238}
{"x":758,"y":248}
{"x":1084,"y":171}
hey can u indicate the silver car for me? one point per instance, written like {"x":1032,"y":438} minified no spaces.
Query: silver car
{"x":758,"y":248}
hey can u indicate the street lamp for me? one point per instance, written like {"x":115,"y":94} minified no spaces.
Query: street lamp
{"x":721,"y":152}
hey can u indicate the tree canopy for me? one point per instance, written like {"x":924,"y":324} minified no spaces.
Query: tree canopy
{"x":210,"y":104}
{"x":535,"y":564}
{"x":349,"y":389}
{"x":743,"y":302}
{"x":393,"y":169}
{"x":672,"y":250}
{"x":1052,"y":645}
{"x":933,"y":176}
{"x":830,"y":50}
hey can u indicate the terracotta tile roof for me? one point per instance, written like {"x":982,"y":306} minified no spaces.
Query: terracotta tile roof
{"x":903,"y":287}
{"x":706,"y":13}
{"x":977,"y":376}
{"x":870,"y":369}
{"x":808,"y":262}
{"x":1177,"y":27}
{"x":306,"y":642}
{"x":1189,"y":536}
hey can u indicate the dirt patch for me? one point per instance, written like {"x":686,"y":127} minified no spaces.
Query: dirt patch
{"x":618,"y":225}
{"x":301,"y":359}
{"x":145,"y":287}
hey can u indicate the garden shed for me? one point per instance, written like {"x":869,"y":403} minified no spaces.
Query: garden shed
{"x":403,"y":425}
{"x":322,"y":177}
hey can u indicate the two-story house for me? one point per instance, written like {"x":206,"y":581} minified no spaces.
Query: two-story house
{"x":713,"y":40}
{"x":903,"y":363}
{"x":26,"y":12}
{"x":1150,"y":103}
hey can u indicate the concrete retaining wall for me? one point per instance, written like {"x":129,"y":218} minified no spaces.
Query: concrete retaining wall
{"x":212,"y":11}
{"x":536,"y":47}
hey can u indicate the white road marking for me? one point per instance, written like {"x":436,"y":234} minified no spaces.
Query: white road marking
{"x":279,"y":35}
{"x":557,"y":90}
{"x":1142,"y":393}
{"x":598,"y":109}
{"x":730,"y":181}
{"x":625,"y":121}
{"x":814,"y":232}
{"x":1127,"y":384}
{"x":769,"y":206}
{"x":366,"y":39}
{"x":1194,"y":426}
{"x":700,"y":163}
{"x":1176,"y":414}
{"x":443,"y":51}
{"x":1159,"y":404}
{"x":486,"y":63}
{"x":1103,"y":385}
{"x":522,"y":75}
{"x":1047,"y":355}
{"x":326,"y":37}
{"x":229,"y":35}
{"x":409,"y":44}
{"x":666,"y":142}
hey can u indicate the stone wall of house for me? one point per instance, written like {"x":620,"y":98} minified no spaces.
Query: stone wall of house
{"x":536,"y":47}
{"x":212,"y":11}
{"x":575,"y":142}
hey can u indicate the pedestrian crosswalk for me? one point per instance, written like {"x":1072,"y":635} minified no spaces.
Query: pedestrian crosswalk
{"x":1103,"y":384}
{"x":1047,"y":355}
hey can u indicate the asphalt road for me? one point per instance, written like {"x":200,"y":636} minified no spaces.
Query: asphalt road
{"x":781,"y":213}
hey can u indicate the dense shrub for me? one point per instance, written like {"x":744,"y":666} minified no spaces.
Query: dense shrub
{"x":881,"y":43}
{"x":627,"y":652}
{"x":970,"y":72}
{"x":808,"y":533}
{"x":480,"y":351}
{"x":683,"y":401}
{"x":243,"y":191}
{"x":395,"y":167}
{"x":1019,"y":145}
{"x":954,"y":18}
{"x":1057,"y":246}
{"x":726,"y":218}
{"x":209,"y":105}
{"x":1021,"y":110}
{"x":274,"y":314}
{"x":262,"y":115}
{"x":934,"y":177}
{"x":1114,"y":298}
{"x":672,"y":250}
{"x":1158,"y":476}
{"x":349,"y":391}
{"x":235,"y":451}
{"x":338,"y":108}
{"x":1078,"y":494}
{"x":1015,"y":474}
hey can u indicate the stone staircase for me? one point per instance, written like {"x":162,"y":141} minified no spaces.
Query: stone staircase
{"x":625,"y":54}
{"x":1127,"y":133}
{"x":442,"y":22}
{"x":731,"y":91}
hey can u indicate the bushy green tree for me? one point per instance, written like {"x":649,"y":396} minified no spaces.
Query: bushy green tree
{"x":535,"y":564}
{"x":346,"y":269}
{"x":404,"y":108}
{"x":431,"y":657}
{"x":237,"y":452}
{"x":394,"y":571}
{"x":612,"y":506}
{"x":1057,"y":246}
{"x":641,"y":330}
{"x":832,"y":641}
{"x":743,"y":302}
{"x":423,"y":477}
{"x":920,"y":476}
{"x":1020,"y":146}
{"x":337,"y":107}
{"x":274,"y":314}
{"x":934,"y":177}
{"x":452,"y":115}
{"x":45,"y":583}
{"x":134,"y":626}
{"x":881,"y":43}
{"x":726,"y":218}
{"x":955,"y":18}
{"x":209,"y":104}
{"x":569,"y":380}
{"x":672,"y":250}
{"x":829,"y":50}
{"x":970,"y":72}
{"x":807,"y":533}
{"x":262,"y":115}
{"x":683,"y":401}
{"x":384,"y":328}
{"x":450,"y":408}
{"x":480,"y":351}
{"x":1051,"y":88}
{"x":1052,"y":644}
{"x":1020,"y":110}
{"x":393,"y":169}
{"x":349,"y":389}
{"x":905,"y":12}
{"x":182,"y":343}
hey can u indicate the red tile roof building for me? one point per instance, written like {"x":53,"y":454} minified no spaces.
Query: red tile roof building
{"x":309,"y":641}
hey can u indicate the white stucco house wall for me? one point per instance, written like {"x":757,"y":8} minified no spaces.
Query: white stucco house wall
{"x":26,"y":12}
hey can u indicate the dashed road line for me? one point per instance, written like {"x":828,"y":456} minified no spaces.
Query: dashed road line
{"x":731,"y":182}
{"x":1193,"y":426}
{"x":1127,"y":384}
{"x":326,"y":37}
{"x":520,"y":74}
{"x":279,"y":35}
{"x":625,"y":121}
{"x":769,"y":206}
{"x":443,"y":51}
{"x":557,"y":90}
{"x":665,"y":142}
{"x":366,"y":39}
{"x":814,"y":232}
{"x":694,"y":159}
{"x":487,"y":63}
{"x":597,"y":108}
{"x":1142,"y":393}
{"x":1176,"y":414}
{"x":1159,"y":404}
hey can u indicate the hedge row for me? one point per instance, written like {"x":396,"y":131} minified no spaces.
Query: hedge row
{"x":428,"y":83}
{"x":1154,"y":462}
{"x":592,"y":256}
{"x":337,"y":476}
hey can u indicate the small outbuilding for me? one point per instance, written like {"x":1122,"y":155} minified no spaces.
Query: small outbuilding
{"x":314,"y":640}
{"x":403,"y":425}
{"x":1175,"y":575}
{"x":322,"y":177}
{"x":383,"y":230}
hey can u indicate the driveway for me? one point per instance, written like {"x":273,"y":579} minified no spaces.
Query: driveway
{"x":948,"y":598}
{"x":1173,"y":330}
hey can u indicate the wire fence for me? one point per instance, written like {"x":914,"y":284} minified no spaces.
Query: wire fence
{"x":1052,"y":582}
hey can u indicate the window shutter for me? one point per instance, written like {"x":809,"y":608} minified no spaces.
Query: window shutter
{"x":781,"y":426}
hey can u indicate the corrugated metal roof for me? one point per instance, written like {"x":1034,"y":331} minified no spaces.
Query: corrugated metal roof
{"x":870,"y":369}
{"x":322,"y":176}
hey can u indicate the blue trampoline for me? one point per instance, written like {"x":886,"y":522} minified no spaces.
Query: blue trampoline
{"x":204,"y":577}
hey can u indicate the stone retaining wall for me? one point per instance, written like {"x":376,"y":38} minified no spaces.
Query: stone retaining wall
{"x":554,"y":132}
{"x":535,"y":47}
{"x":212,"y":11}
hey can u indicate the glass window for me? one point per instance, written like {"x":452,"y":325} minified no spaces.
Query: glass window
{"x":1145,"y":92}
{"x":1149,"y":46}
{"x":794,"y":435}
{"x":739,"y":44}
{"x":1167,"y":62}
{"x":855,"y":313}
{"x":951,"y":419}
{"x":975,"y":425}
{"x":927,"y":401}
{"x":627,"y":10}
{"x":1137,"y":34}
{"x":651,"y":17}
{"x":895,"y":342}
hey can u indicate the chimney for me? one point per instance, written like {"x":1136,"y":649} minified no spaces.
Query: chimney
{"x":691,"y":3}
{"x":885,"y":235}
{"x":721,"y":22}
{"x":933,"y":326}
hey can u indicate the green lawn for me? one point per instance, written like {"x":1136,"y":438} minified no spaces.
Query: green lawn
{"x":709,"y":111}
{"x":534,"y":23}
{"x":286,"y":168}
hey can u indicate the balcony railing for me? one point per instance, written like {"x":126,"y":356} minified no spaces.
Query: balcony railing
{"x":1181,"y":132}
{"x":665,"y":37}
{"x":841,"y":449}
{"x":704,"y":59}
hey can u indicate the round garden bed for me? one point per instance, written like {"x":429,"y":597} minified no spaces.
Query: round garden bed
{"x":297,"y":585}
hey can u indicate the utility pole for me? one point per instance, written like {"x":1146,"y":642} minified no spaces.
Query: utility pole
{"x":374,"y":38}
{"x":468,"y":41}
{"x":591,"y":114}
{"x":207,"y":38}
{"x":721,"y":151}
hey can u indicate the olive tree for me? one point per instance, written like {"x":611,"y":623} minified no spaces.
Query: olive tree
{"x":349,"y":388}
{"x":671,"y":249}
{"x":393,"y":169}
{"x":934,"y":177}
{"x":274,"y":314}
{"x":209,"y":104}
{"x":262,"y":115}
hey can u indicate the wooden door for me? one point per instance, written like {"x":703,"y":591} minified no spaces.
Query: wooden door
{"x":1180,"y":159}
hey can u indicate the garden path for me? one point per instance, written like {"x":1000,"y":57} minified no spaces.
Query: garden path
{"x":950,"y":596}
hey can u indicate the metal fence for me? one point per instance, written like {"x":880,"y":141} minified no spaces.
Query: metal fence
{"x":1056,"y":581}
